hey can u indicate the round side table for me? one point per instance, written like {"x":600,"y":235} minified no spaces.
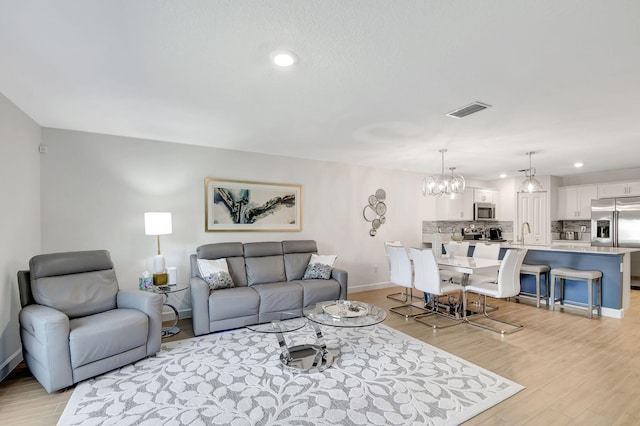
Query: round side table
{"x":166,"y":290}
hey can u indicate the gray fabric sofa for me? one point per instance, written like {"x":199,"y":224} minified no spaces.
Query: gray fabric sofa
{"x":76,"y":323}
{"x":267,"y":278}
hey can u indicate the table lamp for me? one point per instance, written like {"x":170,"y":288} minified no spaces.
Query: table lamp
{"x":158,"y":223}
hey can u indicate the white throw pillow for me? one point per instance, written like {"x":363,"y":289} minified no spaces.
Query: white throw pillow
{"x":320,"y":267}
{"x":216,"y":273}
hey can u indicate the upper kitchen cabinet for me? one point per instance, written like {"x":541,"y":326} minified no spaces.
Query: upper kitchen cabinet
{"x":574,"y":202}
{"x":484,"y":196}
{"x":619,"y":189}
{"x":459,"y":208}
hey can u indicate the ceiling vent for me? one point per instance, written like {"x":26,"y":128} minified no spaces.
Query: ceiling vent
{"x":469,"y":109}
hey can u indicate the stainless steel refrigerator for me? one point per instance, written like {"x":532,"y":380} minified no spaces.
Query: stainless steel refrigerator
{"x":615,"y":222}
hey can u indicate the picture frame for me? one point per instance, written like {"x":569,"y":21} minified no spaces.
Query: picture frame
{"x":234,"y":205}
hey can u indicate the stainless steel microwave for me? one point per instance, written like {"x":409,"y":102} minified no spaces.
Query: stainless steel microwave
{"x":484,"y":211}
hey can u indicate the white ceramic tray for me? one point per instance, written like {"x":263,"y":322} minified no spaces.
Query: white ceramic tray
{"x":345,"y":309}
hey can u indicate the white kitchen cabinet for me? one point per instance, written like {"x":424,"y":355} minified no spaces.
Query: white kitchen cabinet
{"x":481,"y":195}
{"x":574,"y":202}
{"x":459,"y":208}
{"x":619,"y":189}
{"x":532,"y":208}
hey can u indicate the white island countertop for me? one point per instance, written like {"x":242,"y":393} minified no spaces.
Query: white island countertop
{"x":577,"y":248}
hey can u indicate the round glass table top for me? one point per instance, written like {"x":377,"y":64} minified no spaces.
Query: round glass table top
{"x":277,"y":322}
{"x":345,"y":313}
{"x":164,"y":289}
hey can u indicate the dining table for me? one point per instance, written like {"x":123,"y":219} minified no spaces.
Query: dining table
{"x":468,"y":266}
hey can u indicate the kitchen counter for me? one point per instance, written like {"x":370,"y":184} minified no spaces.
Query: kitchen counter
{"x":576,"y":248}
{"x":613,"y":262}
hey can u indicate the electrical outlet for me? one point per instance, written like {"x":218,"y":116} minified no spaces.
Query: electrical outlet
{"x":583,"y":228}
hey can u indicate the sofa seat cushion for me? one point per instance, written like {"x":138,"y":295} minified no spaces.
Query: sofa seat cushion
{"x":106,"y":334}
{"x":319,"y":290}
{"x":279,"y":297}
{"x":233,"y":302}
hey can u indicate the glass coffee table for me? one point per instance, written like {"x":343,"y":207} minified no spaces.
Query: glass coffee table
{"x":304,"y":358}
{"x":333,"y":313}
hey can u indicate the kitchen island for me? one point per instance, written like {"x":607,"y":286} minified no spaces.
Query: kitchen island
{"x":613,"y":262}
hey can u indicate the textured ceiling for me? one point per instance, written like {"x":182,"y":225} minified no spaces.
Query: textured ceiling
{"x":373,"y":83}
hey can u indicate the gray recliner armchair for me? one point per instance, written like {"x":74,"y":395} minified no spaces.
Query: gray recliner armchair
{"x":76,"y":323}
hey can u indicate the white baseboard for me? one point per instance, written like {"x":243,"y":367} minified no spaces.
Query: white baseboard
{"x":367,"y":287}
{"x":613,"y":313}
{"x":10,"y":363}
{"x":168,"y":315}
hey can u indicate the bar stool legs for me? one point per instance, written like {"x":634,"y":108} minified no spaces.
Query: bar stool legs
{"x":538,"y":271}
{"x":589,"y":277}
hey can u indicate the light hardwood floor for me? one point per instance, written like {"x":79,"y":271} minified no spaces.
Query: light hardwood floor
{"x":576,"y":371}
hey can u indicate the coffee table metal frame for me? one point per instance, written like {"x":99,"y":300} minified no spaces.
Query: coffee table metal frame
{"x":303,"y":358}
{"x":316,"y":356}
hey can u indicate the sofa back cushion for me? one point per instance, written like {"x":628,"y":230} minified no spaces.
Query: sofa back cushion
{"x":264,"y":263}
{"x":75,"y":283}
{"x":296,"y":257}
{"x":233,"y":252}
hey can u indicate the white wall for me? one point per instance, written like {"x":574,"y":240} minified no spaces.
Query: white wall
{"x":95,"y":189}
{"x":19,"y":220}
{"x":601,"y":177}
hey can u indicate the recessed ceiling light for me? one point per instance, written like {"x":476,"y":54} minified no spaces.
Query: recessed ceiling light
{"x":283,"y":58}
{"x":578,"y":165}
{"x":503,"y":175}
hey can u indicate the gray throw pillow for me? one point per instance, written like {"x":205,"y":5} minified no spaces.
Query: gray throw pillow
{"x":319,"y":267}
{"x":215,"y":273}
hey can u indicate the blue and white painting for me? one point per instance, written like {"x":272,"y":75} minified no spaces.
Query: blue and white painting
{"x":238,"y":206}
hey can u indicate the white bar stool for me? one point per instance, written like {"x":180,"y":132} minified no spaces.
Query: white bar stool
{"x":538,"y":271}
{"x":589,"y":277}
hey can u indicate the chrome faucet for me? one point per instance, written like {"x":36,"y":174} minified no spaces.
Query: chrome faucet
{"x":522,"y":232}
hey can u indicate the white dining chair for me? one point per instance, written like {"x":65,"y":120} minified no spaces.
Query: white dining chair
{"x":455,"y":248}
{"x":401,"y":274}
{"x":427,"y":278}
{"x":507,"y":285}
{"x":401,"y":296}
{"x":486,"y":250}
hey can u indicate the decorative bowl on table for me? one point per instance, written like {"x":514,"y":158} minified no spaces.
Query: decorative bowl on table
{"x":345,"y":309}
{"x":457,"y":238}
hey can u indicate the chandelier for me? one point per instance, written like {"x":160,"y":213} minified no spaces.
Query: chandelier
{"x":530,"y":184}
{"x":442,"y":184}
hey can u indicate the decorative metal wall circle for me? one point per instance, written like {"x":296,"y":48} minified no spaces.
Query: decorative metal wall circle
{"x":375,"y":211}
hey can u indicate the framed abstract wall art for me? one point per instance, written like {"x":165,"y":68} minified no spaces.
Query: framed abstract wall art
{"x":232,"y":205}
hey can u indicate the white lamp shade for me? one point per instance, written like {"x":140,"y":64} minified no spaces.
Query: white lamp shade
{"x":157,"y":223}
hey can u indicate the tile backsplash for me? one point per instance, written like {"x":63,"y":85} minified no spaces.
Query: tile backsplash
{"x":559,"y":227}
{"x":432,"y":226}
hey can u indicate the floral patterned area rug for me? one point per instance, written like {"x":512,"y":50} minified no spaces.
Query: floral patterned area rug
{"x":380,"y":376}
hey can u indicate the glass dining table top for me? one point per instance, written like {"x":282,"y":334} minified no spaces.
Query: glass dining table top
{"x":469,"y":264}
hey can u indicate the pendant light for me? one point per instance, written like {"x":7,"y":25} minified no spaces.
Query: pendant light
{"x":442,"y":184}
{"x":530,"y":184}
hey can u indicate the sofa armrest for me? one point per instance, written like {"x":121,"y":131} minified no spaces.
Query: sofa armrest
{"x":341,"y":276}
{"x":45,"y":344}
{"x":200,"y":306}
{"x":150,"y":304}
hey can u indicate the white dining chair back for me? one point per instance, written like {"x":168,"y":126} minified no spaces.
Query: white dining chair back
{"x":486,"y":251}
{"x":426,"y":272}
{"x":391,"y":244}
{"x":459,"y":248}
{"x":509,"y":273}
{"x":399,"y":266}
